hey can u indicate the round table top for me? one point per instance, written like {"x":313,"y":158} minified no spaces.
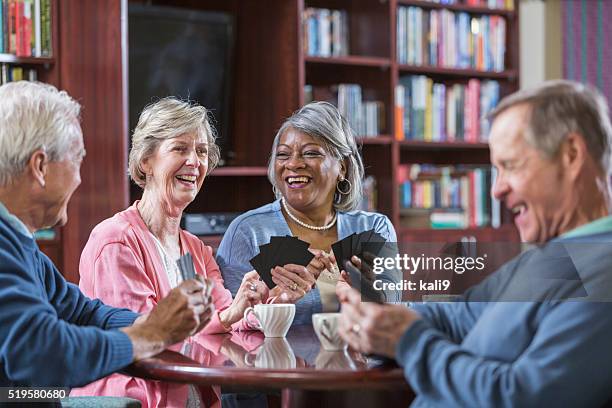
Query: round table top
{"x":249,"y":359}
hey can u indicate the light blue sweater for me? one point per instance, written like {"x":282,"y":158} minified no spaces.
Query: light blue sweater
{"x":538,"y":332}
{"x":254,"y":228}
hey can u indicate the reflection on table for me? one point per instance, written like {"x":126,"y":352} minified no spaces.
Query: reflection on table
{"x":297,"y":364}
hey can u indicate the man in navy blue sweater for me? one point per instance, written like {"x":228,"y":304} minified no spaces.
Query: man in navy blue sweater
{"x":50,"y":333}
{"x":537,"y":332}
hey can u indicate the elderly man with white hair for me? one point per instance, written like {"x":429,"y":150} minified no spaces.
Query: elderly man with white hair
{"x":50,"y":333}
{"x":536,"y":332}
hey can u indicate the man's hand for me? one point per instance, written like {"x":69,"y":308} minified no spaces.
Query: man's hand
{"x":372,"y":328}
{"x":364,"y":275}
{"x":185,"y":311}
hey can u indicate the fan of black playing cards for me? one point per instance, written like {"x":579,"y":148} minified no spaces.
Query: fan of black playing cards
{"x":280,"y":251}
{"x":357,"y":244}
{"x":285,"y":250}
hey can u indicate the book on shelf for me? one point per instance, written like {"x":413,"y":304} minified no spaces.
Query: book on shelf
{"x":367,"y":118}
{"x":449,"y":39}
{"x":325,"y":32}
{"x":26,"y":27}
{"x":449,"y":196}
{"x":438,"y":112}
{"x":11,"y":73}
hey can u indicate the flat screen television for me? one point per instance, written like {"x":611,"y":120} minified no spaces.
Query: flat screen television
{"x":183,"y":53}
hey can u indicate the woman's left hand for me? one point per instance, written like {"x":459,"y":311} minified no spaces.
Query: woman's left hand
{"x":251,"y":292}
{"x":293,"y":282}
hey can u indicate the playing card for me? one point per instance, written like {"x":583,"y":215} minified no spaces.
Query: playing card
{"x":186,"y":268}
{"x":338,"y":254}
{"x":347,"y":247}
{"x":260,"y":266}
{"x":280,"y":251}
{"x":361,"y":238}
{"x":294,"y":251}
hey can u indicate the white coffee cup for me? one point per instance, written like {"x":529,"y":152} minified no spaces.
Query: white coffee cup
{"x":326,"y":327}
{"x":274,"y":353}
{"x":274,"y":320}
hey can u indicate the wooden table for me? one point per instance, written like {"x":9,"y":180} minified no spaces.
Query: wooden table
{"x":307,"y":375}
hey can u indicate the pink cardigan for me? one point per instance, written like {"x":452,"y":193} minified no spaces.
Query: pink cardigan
{"x":121,"y":266}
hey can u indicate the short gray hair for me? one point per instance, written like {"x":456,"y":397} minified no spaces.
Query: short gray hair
{"x":34,"y":116}
{"x":560,"y":107}
{"x":166,"y":119}
{"x":322,"y":120}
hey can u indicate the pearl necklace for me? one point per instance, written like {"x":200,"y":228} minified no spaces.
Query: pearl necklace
{"x":303,"y":224}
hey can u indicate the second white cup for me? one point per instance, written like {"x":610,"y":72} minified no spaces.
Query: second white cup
{"x":273,"y":320}
{"x":326,"y":327}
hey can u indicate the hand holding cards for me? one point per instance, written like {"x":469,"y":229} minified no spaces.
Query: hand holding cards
{"x":187,"y":270}
{"x":365,"y":246}
{"x":280,"y":251}
{"x":184,"y":311}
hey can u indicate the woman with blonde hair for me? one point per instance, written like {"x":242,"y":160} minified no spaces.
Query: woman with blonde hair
{"x":130,"y":258}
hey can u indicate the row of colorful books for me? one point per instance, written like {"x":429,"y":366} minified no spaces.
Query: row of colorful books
{"x":492,"y":4}
{"x":10,"y":73}
{"x":457,"y":195}
{"x":448,"y":39}
{"x":436,"y":112}
{"x":367,"y":118}
{"x":26,"y":27}
{"x":326,"y":32}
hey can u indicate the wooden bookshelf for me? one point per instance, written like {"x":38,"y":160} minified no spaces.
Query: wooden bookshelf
{"x":13,"y":59}
{"x":511,"y":75}
{"x":270,"y":72}
{"x":350,"y":61}
{"x":376,"y":140}
{"x":458,"y":7}
{"x":456,"y":145}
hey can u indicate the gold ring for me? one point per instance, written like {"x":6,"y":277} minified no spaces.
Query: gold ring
{"x":356,"y":328}
{"x":294,"y":286}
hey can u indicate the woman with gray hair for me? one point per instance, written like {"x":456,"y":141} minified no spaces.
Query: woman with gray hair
{"x":130,"y":259}
{"x":316,"y":173}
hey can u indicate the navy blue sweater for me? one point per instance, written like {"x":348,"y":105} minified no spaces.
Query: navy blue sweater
{"x":50,"y":333}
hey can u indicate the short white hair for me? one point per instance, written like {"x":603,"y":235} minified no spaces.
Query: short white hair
{"x":560,"y":107}
{"x":165,"y":119}
{"x":34,"y":116}
{"x":323,"y":121}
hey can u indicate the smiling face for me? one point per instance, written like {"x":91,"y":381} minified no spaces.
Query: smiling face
{"x":306,"y":173}
{"x":533,"y":186}
{"x":176,"y":171}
